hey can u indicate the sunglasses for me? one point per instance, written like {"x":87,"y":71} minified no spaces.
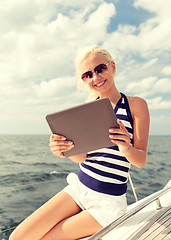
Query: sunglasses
{"x":101,"y":70}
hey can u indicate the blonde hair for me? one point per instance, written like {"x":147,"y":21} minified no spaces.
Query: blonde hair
{"x":82,"y":56}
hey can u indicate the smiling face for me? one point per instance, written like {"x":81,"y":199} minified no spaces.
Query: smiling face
{"x":101,"y":83}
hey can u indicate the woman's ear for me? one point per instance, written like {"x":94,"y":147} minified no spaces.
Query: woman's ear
{"x":114,"y":68}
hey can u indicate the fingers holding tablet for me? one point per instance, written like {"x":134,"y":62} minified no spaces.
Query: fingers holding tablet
{"x":59,"y":144}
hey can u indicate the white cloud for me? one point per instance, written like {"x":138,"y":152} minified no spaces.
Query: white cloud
{"x":21,"y":14}
{"x":160,"y":8}
{"x":54,"y":88}
{"x":150,"y":86}
{"x":167,"y":70}
{"x":150,"y":39}
{"x":141,"y":87}
{"x":43,"y":51}
{"x":155,"y":33}
{"x":149,"y":63}
{"x":37,"y":56}
{"x":40,"y":39}
{"x":159,"y":103}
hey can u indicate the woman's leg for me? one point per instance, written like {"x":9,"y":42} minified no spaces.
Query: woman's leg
{"x":78,"y":226}
{"x":58,"y":208}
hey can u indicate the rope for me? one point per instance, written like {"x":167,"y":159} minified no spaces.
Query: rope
{"x":6,"y":230}
{"x":144,"y":185}
{"x":32,"y":184}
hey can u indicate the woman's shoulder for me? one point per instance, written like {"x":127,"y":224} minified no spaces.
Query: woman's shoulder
{"x":136,"y":100}
{"x":137,"y":105}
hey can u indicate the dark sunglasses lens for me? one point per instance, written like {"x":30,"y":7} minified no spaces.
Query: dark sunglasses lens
{"x":87,"y":75}
{"x":102,"y":68}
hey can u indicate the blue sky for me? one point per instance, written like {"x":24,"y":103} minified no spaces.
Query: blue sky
{"x":40,"y":40}
{"x":128,"y":14}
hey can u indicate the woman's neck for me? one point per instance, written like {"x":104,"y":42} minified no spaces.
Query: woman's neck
{"x":114,"y":96}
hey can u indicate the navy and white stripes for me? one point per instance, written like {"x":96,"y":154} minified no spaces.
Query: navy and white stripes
{"x":106,"y":170}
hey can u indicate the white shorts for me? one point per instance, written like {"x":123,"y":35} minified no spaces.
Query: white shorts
{"x":104,"y":208}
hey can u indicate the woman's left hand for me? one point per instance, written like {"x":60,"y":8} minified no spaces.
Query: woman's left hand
{"x":120,"y":137}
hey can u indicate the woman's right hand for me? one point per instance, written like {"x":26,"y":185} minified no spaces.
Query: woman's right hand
{"x":59,"y":144}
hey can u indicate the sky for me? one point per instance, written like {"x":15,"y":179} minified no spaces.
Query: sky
{"x":39,"y":40}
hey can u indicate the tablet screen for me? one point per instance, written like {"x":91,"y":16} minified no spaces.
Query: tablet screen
{"x":86,"y":125}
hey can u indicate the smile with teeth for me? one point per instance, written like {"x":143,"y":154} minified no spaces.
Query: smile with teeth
{"x":100,"y":84}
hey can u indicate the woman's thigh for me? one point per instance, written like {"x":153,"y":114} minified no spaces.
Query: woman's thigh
{"x":60,"y":207}
{"x":78,"y":226}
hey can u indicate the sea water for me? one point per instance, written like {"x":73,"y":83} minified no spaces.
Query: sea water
{"x":30,"y":175}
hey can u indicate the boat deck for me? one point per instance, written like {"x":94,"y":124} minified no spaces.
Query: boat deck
{"x":146,"y":219}
{"x":159,"y":227}
{"x":152,"y":222}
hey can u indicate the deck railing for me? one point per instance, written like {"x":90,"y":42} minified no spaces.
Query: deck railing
{"x":140,"y":206}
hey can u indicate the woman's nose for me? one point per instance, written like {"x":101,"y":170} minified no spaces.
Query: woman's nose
{"x":96,"y":76}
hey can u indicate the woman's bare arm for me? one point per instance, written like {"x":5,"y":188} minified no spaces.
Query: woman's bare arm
{"x":136,"y":154}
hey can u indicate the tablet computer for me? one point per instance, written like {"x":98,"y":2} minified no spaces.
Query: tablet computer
{"x":86,"y":125}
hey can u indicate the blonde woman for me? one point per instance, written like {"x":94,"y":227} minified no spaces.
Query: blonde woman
{"x":96,"y":196}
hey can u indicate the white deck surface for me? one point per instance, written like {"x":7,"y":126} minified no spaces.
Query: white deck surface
{"x":149,"y":223}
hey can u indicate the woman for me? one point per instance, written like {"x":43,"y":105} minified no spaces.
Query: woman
{"x":97,"y":195}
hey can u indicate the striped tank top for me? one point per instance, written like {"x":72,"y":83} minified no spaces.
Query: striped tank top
{"x":106,"y":170}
